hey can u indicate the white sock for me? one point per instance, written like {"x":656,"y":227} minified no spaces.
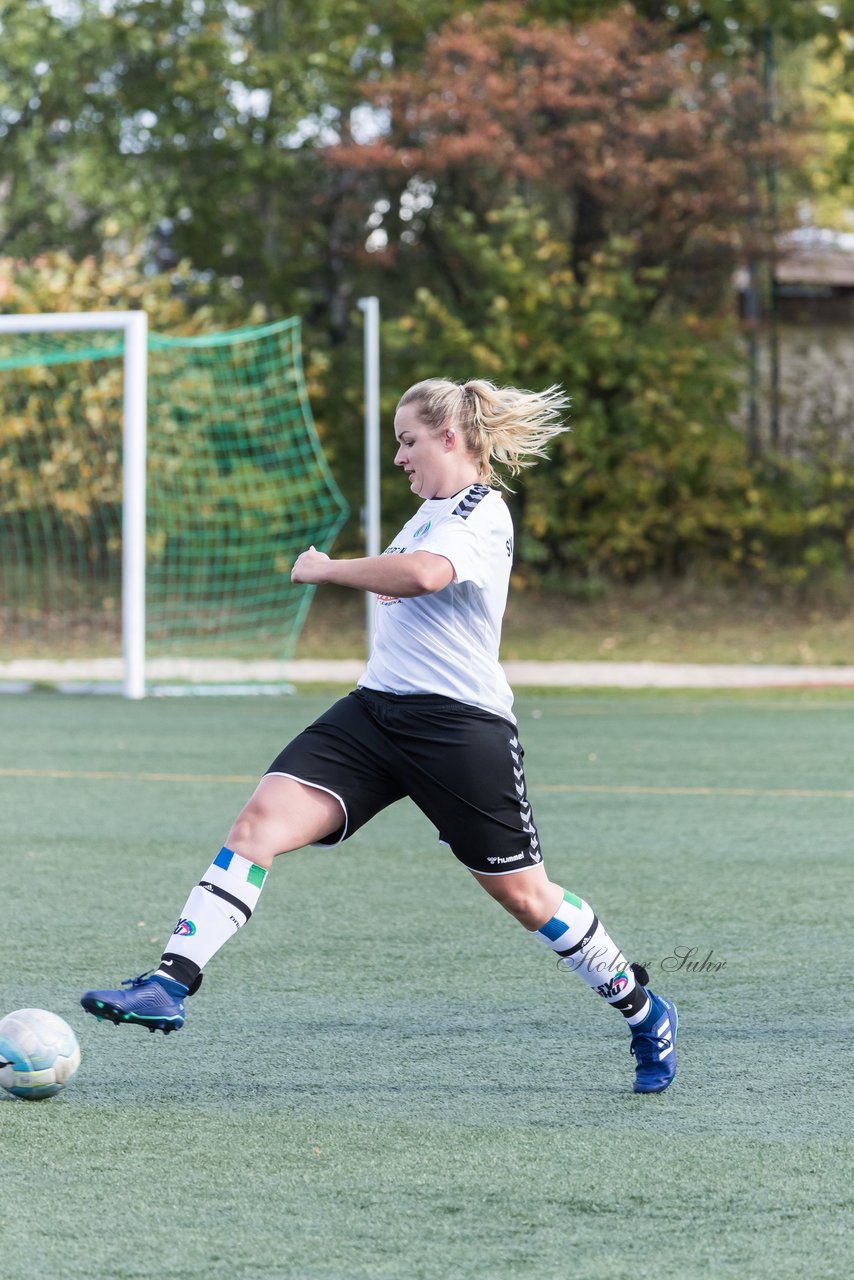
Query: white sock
{"x":217,"y":907}
{"x":575,"y":934}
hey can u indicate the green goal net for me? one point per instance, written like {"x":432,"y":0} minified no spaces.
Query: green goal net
{"x":236,"y":486}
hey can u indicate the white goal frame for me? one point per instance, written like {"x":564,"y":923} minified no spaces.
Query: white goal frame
{"x":134,"y":327}
{"x":370,"y":308}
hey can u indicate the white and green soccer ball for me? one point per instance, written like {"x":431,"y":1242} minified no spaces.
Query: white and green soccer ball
{"x":39,"y":1053}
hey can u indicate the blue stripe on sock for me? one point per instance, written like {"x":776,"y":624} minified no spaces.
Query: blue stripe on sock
{"x":554,"y":929}
{"x":223,"y":859}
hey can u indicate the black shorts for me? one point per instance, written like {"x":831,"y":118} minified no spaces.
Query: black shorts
{"x":461,"y":766}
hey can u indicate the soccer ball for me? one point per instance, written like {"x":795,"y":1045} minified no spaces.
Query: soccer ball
{"x":39,"y":1053}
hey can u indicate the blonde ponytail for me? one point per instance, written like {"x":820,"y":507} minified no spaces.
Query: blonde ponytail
{"x":499,"y":424}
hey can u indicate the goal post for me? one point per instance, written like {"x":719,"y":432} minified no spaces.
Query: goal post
{"x":370,"y":308}
{"x":222,"y":481}
{"x":133,"y":326}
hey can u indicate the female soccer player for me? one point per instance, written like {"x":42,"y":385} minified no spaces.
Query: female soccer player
{"x":431,"y":718}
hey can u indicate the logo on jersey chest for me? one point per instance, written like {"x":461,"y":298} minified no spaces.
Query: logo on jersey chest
{"x":422,"y":530}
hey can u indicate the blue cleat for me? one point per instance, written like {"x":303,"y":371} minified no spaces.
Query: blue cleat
{"x":654,"y":1047}
{"x":151,"y":1000}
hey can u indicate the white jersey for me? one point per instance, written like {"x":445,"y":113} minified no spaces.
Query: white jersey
{"x":447,"y":641}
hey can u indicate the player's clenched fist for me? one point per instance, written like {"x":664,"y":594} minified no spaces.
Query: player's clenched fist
{"x":311,"y":566}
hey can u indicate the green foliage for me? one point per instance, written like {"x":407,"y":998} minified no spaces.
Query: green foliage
{"x":652,"y":478}
{"x":215,"y":116}
{"x":729,"y":26}
{"x":827,"y":173}
{"x":219,"y":116}
{"x":799,"y":531}
{"x":53,"y":162}
{"x":180,"y":301}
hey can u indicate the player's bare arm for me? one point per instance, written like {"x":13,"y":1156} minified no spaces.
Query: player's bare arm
{"x":417,"y":574}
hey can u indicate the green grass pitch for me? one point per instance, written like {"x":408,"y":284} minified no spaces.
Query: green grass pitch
{"x":382,"y":1075}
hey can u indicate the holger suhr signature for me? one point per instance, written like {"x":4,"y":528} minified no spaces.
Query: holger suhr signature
{"x":685,"y":959}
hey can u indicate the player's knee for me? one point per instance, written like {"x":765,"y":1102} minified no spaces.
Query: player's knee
{"x":254,"y":834}
{"x":529,"y":905}
{"x":241,"y":830}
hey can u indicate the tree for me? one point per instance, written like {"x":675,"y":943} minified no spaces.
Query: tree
{"x":652,"y":478}
{"x":209,"y":120}
{"x":611,"y":126}
{"x":54,"y":179}
{"x":731,"y":28}
{"x":827,"y":175}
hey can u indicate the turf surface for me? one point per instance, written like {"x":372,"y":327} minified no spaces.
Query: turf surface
{"x":382,"y":1076}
